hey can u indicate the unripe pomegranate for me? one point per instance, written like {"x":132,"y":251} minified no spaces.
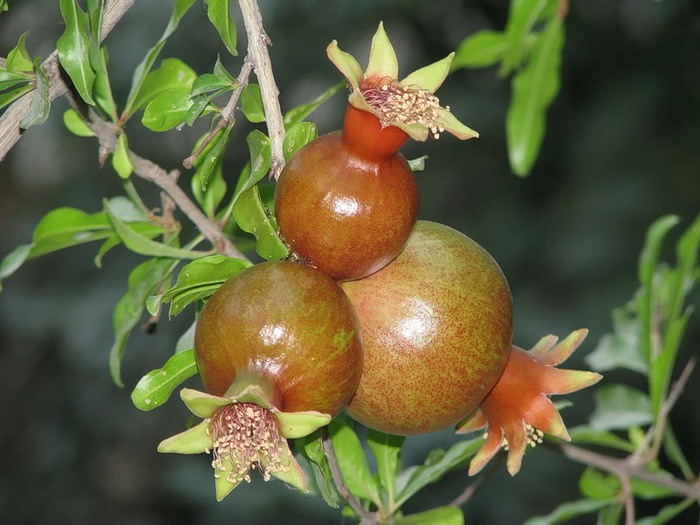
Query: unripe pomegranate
{"x":279,"y":351}
{"x":436,"y":324}
{"x":346,"y":203}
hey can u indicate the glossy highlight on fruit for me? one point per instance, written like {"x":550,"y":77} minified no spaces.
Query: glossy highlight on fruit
{"x":347,"y":202}
{"x":279,"y":350}
{"x":287,"y":328}
{"x":437,"y":326}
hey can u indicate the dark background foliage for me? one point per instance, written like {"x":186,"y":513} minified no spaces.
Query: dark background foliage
{"x":621,"y":149}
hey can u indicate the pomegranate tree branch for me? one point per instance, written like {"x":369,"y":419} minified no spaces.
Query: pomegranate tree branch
{"x":148,"y":170}
{"x":227,"y":114}
{"x":257,"y":51}
{"x":10,"y":130}
{"x":623,"y":468}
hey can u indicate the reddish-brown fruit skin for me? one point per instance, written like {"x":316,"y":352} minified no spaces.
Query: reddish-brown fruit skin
{"x":437,"y":326}
{"x":288,"y":328}
{"x":346,"y":203}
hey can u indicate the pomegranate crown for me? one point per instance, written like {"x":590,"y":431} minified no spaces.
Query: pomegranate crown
{"x":409,"y":104}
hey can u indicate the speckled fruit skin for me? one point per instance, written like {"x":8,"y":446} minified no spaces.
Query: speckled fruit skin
{"x":437,"y":326}
{"x":286,"y":327}
{"x":346,"y":202}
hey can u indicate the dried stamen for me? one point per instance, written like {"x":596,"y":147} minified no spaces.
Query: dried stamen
{"x":246,"y":437}
{"x":404,"y":104}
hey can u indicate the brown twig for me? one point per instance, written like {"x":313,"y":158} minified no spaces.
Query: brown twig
{"x":10,"y":130}
{"x":227,"y":114}
{"x":366,"y":517}
{"x":257,"y":51}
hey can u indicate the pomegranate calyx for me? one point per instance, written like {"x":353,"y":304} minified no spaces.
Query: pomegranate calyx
{"x":408,"y":104}
{"x":517,"y":412}
{"x":244,"y":432}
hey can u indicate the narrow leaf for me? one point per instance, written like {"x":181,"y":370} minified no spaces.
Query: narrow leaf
{"x":144,"y":280}
{"x":311,"y":448}
{"x":438,"y":516}
{"x":18,"y":59}
{"x":251,"y":103}
{"x":40,"y":104}
{"x":76,"y":125}
{"x":437,"y":465}
{"x":10,"y":96}
{"x":522,"y":18}
{"x":299,"y":113}
{"x":352,"y":461}
{"x":155,"y":388}
{"x":73,"y":48}
{"x":386,"y":449}
{"x":200,"y":279}
{"x":482,"y":49}
{"x":121,"y":159}
{"x":211,"y":157}
{"x":533,"y":89}
{"x":569,"y":510}
{"x":142,"y":70}
{"x":219,"y":13}
{"x":251,"y":216}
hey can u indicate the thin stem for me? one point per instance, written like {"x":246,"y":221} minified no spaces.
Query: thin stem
{"x":257,"y":50}
{"x":622,"y":468}
{"x":10,"y":130}
{"x":366,"y":517}
{"x":227,"y":114}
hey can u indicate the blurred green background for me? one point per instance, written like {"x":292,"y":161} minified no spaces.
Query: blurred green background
{"x":621,"y":149}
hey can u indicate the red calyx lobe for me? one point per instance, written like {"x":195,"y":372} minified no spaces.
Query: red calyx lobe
{"x":300,"y":341}
{"x":346,"y":202}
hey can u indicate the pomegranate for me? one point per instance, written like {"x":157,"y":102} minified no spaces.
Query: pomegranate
{"x":279,"y":351}
{"x":436,"y":324}
{"x":346,"y":202}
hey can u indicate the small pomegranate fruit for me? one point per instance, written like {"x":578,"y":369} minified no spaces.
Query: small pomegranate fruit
{"x":436,"y":326}
{"x":279,"y":351}
{"x":517,"y":411}
{"x":346,"y":203}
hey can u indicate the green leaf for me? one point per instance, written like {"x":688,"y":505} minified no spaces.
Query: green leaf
{"x":9,"y":97}
{"x":40,"y":104}
{"x":621,"y":348}
{"x":210,"y":197}
{"x":591,"y":436}
{"x":251,"y":103}
{"x":200,"y":279}
{"x":386,"y":449}
{"x":298,"y":136}
{"x":311,"y":447}
{"x":144,"y":280}
{"x":9,"y":79}
{"x":13,"y":261}
{"x":675,"y":453}
{"x":208,"y":82}
{"x":18,"y":59}
{"x":155,"y":388}
{"x":438,"y":463}
{"x":211,"y":157}
{"x":522,"y":18}
{"x":260,"y":155}
{"x":620,"y":407}
{"x":73,"y":48}
{"x":101,"y":88}
{"x":252,"y":217}
{"x":142,"y":70}
{"x":301,"y":112}
{"x":667,"y":513}
{"x":567,"y":511}
{"x":76,"y":125}
{"x":219,"y":13}
{"x":352,"y":461}
{"x":593,"y":484}
{"x":142,"y":245}
{"x":438,"y":516}
{"x":167,"y":110}
{"x":173,"y":74}
{"x":482,"y":49}
{"x":121,"y":159}
{"x":533,"y":89}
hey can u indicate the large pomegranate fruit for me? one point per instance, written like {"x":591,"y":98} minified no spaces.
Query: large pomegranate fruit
{"x":279,"y":351}
{"x":346,"y":203}
{"x":436,"y":326}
